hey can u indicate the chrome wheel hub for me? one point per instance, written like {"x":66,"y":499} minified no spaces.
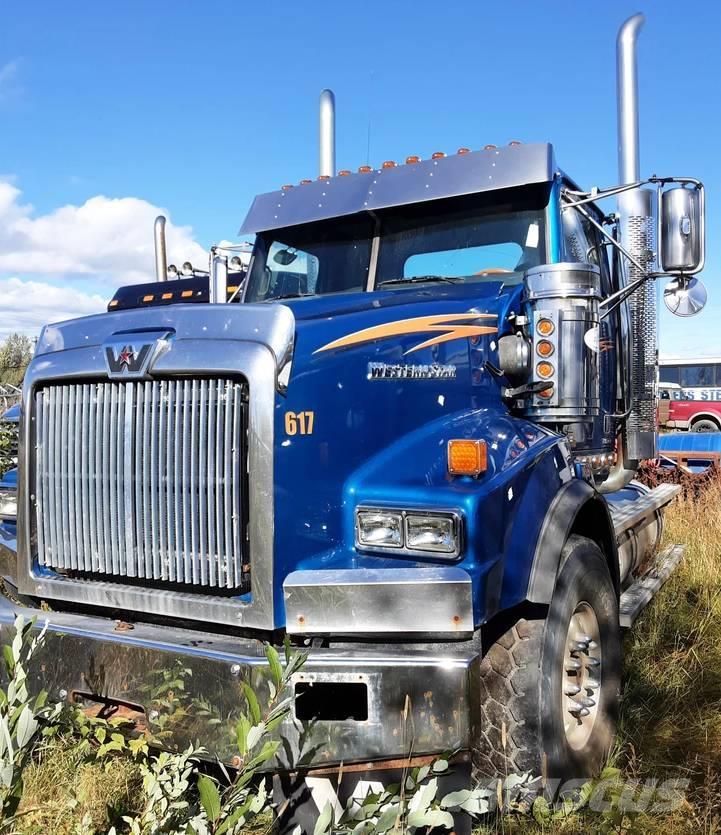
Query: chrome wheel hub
{"x":581,"y":676}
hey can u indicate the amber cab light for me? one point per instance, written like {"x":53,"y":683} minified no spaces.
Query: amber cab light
{"x":544,"y":348}
{"x":545,"y":327}
{"x":463,"y":151}
{"x":545,"y":370}
{"x":412,"y":159}
{"x":467,"y":457}
{"x":438,"y":155}
{"x":389,"y":163}
{"x":364,"y":169}
{"x":344,"y":172}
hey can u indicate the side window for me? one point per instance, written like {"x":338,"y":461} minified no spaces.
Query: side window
{"x":669,"y":374}
{"x":697,"y":375}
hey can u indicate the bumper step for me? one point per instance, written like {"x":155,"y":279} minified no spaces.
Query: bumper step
{"x":637,"y":596}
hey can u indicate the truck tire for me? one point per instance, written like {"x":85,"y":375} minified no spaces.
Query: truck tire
{"x":705,"y":425}
{"x":549,"y":696}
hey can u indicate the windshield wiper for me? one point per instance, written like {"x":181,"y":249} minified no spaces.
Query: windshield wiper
{"x":418,"y":279}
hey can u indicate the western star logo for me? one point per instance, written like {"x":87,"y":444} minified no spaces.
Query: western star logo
{"x":387,"y":371}
{"x":128,"y":360}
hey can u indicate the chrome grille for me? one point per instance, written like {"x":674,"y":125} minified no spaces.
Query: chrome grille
{"x":143,"y":480}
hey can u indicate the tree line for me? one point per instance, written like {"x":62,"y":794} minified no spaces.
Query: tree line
{"x":16,"y":351}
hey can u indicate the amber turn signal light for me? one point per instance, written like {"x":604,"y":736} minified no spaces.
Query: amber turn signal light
{"x":545,"y":327}
{"x":467,"y":457}
{"x":545,"y":370}
{"x":544,"y":348}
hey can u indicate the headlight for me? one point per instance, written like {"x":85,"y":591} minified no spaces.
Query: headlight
{"x":410,"y":532}
{"x":429,"y":532}
{"x":8,"y":505}
{"x":379,"y":528}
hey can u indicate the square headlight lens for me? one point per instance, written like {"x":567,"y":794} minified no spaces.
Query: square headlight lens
{"x":428,"y":532}
{"x":8,"y":505}
{"x":380,"y":528}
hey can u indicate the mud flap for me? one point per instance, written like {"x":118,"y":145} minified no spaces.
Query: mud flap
{"x":300,"y":797}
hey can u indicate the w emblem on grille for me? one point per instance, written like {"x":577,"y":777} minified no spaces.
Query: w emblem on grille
{"x":128,"y":359}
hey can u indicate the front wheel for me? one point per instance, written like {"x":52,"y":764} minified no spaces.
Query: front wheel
{"x":550,"y":687}
{"x":705,"y":425}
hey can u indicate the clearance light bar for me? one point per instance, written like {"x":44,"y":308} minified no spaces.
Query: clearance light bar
{"x":409,"y":532}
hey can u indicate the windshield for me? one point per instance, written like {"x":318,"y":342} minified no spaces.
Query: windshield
{"x":474,"y":238}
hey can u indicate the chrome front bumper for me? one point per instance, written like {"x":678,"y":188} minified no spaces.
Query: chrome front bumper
{"x":188,"y":685}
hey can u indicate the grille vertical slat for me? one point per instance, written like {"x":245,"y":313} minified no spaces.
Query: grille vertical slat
{"x":143,"y":480}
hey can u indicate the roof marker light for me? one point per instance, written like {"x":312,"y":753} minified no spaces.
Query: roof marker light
{"x":389,"y":163}
{"x":148,"y":298}
{"x":463,"y":151}
{"x":438,"y":154}
{"x":514,"y":143}
{"x":286,"y":187}
{"x":305,"y":182}
{"x":166,"y":296}
{"x":412,"y":159}
{"x":489,"y":147}
{"x":344,"y":172}
{"x":324,"y":177}
{"x":364,"y":169}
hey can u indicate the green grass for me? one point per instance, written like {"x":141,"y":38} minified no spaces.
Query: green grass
{"x":670,"y":722}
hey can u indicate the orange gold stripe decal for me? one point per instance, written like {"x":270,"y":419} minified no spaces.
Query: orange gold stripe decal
{"x":448,"y":327}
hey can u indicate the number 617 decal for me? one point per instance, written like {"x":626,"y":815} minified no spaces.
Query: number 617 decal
{"x":299,"y":423}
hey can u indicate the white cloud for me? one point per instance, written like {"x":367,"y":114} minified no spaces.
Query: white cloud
{"x":107,"y":239}
{"x":25,"y":306}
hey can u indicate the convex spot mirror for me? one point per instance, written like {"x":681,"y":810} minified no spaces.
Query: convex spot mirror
{"x":685,"y":296}
{"x":682,"y":230}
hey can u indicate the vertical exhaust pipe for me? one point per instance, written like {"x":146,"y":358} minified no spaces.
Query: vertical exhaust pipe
{"x":637,"y":232}
{"x":629,"y":166}
{"x":327,"y":134}
{"x":161,"y":256}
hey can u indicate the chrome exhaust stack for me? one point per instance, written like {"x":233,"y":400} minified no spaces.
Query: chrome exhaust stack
{"x":637,"y":229}
{"x":161,"y":255}
{"x":327,"y":134}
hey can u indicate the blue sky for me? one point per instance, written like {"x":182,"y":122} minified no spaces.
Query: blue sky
{"x":197,"y":107}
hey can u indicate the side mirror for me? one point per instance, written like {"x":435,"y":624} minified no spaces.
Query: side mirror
{"x":685,"y":296}
{"x":682,"y":244}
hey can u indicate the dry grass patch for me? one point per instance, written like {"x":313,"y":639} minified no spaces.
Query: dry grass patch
{"x":65,"y":792}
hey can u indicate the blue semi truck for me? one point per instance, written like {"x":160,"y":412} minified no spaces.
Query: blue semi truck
{"x":407,"y":443}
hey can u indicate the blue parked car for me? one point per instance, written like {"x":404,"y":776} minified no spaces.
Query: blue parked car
{"x":8,"y":479}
